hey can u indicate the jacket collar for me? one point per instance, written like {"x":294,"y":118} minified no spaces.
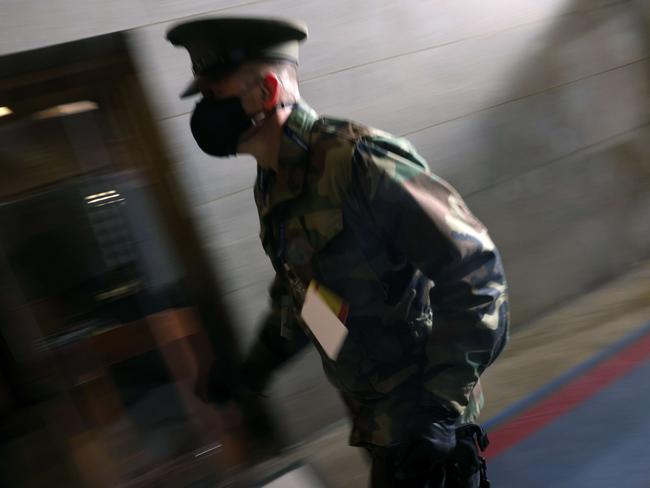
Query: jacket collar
{"x":272,"y":188}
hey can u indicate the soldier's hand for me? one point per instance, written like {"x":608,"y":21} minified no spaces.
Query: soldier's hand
{"x":221,"y":385}
{"x":426,"y":447}
{"x":234,"y":389}
{"x":215,"y":385}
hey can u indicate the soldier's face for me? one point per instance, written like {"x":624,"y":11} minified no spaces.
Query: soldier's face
{"x":242,"y":83}
{"x":235,"y":110}
{"x":224,"y":118}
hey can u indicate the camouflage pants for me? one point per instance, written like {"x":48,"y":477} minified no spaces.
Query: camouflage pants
{"x":463,"y":469}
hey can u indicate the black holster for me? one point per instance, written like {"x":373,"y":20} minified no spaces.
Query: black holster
{"x":465,"y":467}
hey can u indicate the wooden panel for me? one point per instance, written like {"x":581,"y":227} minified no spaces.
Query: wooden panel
{"x":229,"y":229}
{"x":31,"y":24}
{"x":304,"y":401}
{"x":249,"y":305}
{"x":241,"y":264}
{"x":173,"y":325}
{"x":482,"y":149}
{"x":27,"y":24}
{"x":342,"y":38}
{"x":165,"y":10}
{"x":204,"y":178}
{"x":414,"y":91}
{"x":229,"y":220}
{"x":567,"y":226}
{"x":122,"y":342}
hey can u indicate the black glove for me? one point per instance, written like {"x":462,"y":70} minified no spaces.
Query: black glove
{"x":466,"y":467}
{"x":427,"y":446}
{"x":221,"y":385}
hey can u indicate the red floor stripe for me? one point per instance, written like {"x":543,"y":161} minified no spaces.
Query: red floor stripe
{"x":567,"y":397}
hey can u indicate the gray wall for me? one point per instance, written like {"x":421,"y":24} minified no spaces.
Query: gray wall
{"x":537,"y":111}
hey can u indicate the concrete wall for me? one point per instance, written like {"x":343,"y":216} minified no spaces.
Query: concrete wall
{"x":537,"y":111}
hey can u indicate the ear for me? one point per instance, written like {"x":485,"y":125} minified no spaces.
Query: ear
{"x":271,"y":85}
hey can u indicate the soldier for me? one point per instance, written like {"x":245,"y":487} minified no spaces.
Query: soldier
{"x":353,"y":215}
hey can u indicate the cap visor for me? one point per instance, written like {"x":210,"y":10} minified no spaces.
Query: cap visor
{"x":191,"y":89}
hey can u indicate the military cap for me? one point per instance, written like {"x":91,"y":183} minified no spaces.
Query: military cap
{"x":218,"y":45}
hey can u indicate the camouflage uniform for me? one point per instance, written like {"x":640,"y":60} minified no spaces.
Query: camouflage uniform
{"x":357,"y":210}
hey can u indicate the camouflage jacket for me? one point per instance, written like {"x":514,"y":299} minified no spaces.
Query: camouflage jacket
{"x":357,"y":210}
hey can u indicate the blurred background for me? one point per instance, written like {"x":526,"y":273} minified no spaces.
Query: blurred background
{"x":129,"y":259}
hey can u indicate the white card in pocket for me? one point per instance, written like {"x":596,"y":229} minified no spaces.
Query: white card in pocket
{"x":325,"y":314}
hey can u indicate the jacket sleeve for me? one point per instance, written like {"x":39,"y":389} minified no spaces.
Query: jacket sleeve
{"x":422,"y":217}
{"x":273,"y":347}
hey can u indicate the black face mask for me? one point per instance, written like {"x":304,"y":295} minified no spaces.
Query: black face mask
{"x":217,"y":125}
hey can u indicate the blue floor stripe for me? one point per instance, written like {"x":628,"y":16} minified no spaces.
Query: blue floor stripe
{"x":600,"y":444}
{"x":566,"y":377}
